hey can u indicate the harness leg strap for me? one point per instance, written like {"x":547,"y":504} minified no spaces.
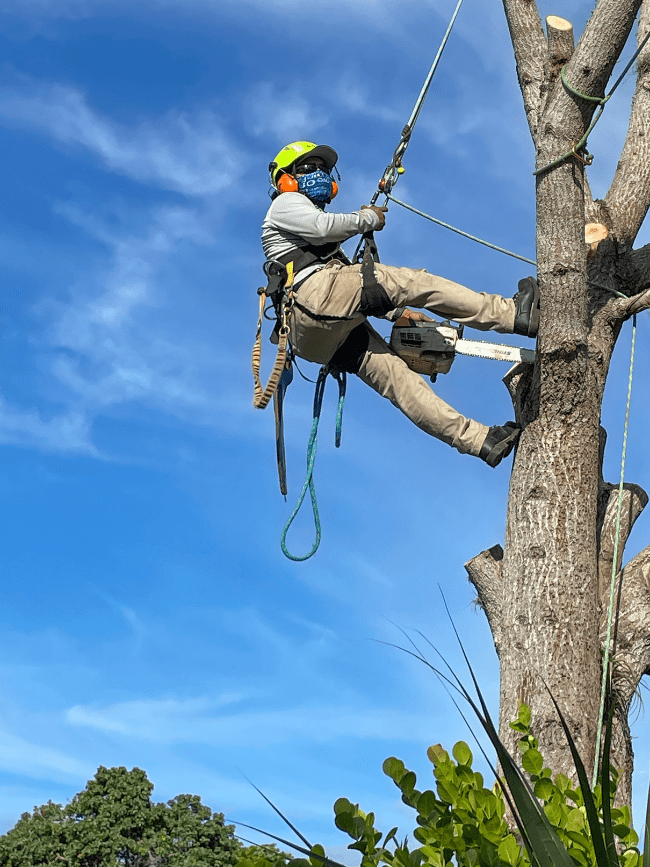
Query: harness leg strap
{"x":350,"y":354}
{"x":374,"y":298}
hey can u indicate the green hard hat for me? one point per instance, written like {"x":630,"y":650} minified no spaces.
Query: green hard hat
{"x":294,"y":151}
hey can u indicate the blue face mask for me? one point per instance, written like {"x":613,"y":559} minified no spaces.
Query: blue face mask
{"x":317,"y":186}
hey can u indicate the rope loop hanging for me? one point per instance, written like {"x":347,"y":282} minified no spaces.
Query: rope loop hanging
{"x":309,"y":485}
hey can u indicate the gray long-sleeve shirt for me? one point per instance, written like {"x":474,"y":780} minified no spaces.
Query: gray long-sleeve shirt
{"x":294,"y":221}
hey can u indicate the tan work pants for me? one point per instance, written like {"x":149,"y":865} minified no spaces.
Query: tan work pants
{"x":335,"y":291}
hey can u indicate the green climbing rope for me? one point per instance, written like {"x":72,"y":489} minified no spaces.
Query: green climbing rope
{"x":612,"y":592}
{"x":311,"y":457}
{"x":587,"y":159}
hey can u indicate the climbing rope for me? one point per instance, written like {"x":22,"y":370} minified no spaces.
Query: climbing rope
{"x":395,"y":168}
{"x":612,"y":592}
{"x":459,"y":231}
{"x":587,"y":158}
{"x":311,"y":457}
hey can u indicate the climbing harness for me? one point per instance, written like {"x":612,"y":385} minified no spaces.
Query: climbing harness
{"x":340,"y":376}
{"x":606,"y":679}
{"x":586,"y":158}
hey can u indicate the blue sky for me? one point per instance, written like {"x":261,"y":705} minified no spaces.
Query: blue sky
{"x":149,"y":617}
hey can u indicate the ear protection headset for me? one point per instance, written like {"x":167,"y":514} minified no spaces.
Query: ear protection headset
{"x":288,"y":184}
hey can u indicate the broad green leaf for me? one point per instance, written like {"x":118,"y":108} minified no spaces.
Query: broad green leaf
{"x":436,"y":754}
{"x":509,"y":850}
{"x":579,"y":857}
{"x":427,"y":803}
{"x":555,"y":815}
{"x":448,"y":795}
{"x":394,"y":768}
{"x":532,"y":761}
{"x":462,"y":753}
{"x":563,"y":783}
{"x":524,"y":715}
{"x":544,"y":789}
{"x":575,"y":820}
{"x":407,"y":782}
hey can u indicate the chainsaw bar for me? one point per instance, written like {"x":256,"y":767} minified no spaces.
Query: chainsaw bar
{"x":495,"y":351}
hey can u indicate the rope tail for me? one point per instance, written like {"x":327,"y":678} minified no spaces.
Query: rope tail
{"x":311,"y":457}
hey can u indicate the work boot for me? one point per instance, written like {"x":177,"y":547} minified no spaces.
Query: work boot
{"x":499,"y":442}
{"x":527,"y":307}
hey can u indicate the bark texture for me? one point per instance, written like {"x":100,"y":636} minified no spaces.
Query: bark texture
{"x":546,"y":593}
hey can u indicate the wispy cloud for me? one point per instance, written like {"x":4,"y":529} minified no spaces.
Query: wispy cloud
{"x":283,"y":114}
{"x":200,"y":721}
{"x":68,"y":431}
{"x":32,"y":760}
{"x":190,"y":153}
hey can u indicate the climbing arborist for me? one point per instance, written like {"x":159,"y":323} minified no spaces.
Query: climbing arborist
{"x":329,"y":324}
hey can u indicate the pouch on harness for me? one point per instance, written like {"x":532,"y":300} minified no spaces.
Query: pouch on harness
{"x":279,"y":290}
{"x":280,"y":274}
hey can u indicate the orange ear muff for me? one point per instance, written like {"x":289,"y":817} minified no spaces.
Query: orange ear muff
{"x":335,"y":189}
{"x":287,"y":184}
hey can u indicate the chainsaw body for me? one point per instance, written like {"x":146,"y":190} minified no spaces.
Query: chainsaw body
{"x":427,"y":347}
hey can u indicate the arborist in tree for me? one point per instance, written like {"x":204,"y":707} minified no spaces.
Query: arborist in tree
{"x":329,"y":324}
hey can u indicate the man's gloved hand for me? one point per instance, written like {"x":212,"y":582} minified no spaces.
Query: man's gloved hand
{"x":381,"y":213}
{"x":411,"y":316}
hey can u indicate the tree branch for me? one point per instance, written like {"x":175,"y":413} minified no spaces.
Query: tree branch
{"x":637,"y":264}
{"x":634,"y":501}
{"x":632,"y":642}
{"x":600,"y":46}
{"x":628,"y":198}
{"x":484,"y":571}
{"x":560,"y":47}
{"x":530,"y":53}
{"x":631,"y":658}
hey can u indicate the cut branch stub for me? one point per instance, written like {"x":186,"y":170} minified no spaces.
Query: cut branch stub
{"x":594,"y":234}
{"x":560,"y":47}
{"x":633,"y":502}
{"x":484,"y":571}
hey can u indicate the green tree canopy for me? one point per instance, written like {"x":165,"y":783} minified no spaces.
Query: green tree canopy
{"x":114,"y":823}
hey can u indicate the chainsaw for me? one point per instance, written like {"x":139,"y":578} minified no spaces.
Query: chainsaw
{"x":429,"y":347}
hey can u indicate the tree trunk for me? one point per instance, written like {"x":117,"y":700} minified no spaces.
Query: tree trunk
{"x":546,"y":594}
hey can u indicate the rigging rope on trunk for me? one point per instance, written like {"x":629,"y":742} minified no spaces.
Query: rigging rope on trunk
{"x":606,"y":680}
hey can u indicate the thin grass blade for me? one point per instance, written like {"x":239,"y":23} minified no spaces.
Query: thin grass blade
{"x":288,"y":843}
{"x":646,"y":836}
{"x":600,"y":850}
{"x":608,"y":833}
{"x":278,"y":811}
{"x":547,"y":848}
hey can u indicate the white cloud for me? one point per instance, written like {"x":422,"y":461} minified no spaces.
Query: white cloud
{"x":108,"y":349}
{"x":200,"y":721}
{"x":286,"y":115}
{"x":189,"y":153}
{"x":68,"y":431}
{"x":18,"y":756}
